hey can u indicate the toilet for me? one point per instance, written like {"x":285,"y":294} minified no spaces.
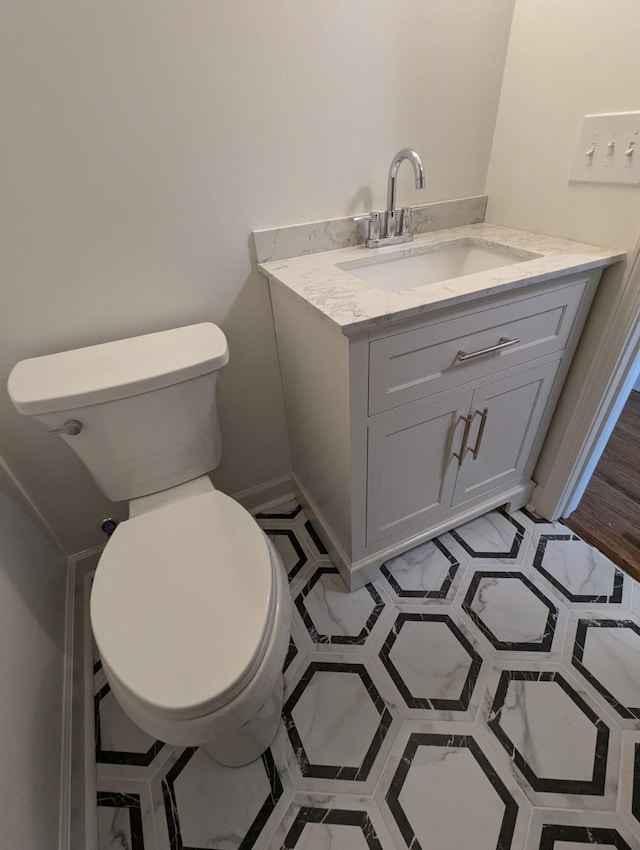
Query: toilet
{"x":190,"y":606}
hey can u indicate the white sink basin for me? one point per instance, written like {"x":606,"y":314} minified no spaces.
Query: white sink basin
{"x":434,"y":264}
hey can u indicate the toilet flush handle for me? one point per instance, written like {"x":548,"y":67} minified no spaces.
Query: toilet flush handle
{"x":71,"y":428}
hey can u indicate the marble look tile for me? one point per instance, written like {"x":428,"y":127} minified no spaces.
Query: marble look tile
{"x":562,"y":752}
{"x":297,"y":654}
{"x":289,"y":548}
{"x":443,"y":787}
{"x":553,"y":829}
{"x":354,"y":722}
{"x":580,"y":574}
{"x":629,"y":783}
{"x":205,"y":804}
{"x":119,"y":822}
{"x":118,"y":739}
{"x":332,"y":616}
{"x":495,"y":537}
{"x":511,"y":613}
{"x":430,"y":573}
{"x":332,"y":822}
{"x":287,"y":511}
{"x":295,"y":539}
{"x":299,"y":239}
{"x":125,"y":819}
{"x":335,"y":714}
{"x":321,"y":553}
{"x":607,"y":653}
{"x":433,"y":663}
{"x":338,"y":726}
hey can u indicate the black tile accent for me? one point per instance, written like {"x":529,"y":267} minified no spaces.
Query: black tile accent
{"x":439,"y":593}
{"x":542,"y":645}
{"x":286,"y":515}
{"x":515,"y":546}
{"x":377,"y":607}
{"x":577,"y":659}
{"x":249,"y":838}
{"x":131,"y":802}
{"x":432,"y":703}
{"x":291,"y":654}
{"x":635,"y":798}
{"x":337,"y":817}
{"x":329,"y":771}
{"x":538,"y":560}
{"x":295,"y":543}
{"x":552,"y":833}
{"x":591,"y":787}
{"x":313,"y":534}
{"x":449,"y":742}
{"x":119,"y":756}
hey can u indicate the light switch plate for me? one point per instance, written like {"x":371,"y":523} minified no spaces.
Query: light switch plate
{"x":608,"y":149}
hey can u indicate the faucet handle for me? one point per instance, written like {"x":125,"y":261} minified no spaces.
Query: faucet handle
{"x":371,"y":225}
{"x":405,"y":221}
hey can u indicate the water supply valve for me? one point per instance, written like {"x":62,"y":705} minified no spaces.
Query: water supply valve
{"x":108,"y":525}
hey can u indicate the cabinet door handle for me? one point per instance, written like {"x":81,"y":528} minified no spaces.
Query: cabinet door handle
{"x":483,"y":421}
{"x":465,"y":437}
{"x":499,"y":346}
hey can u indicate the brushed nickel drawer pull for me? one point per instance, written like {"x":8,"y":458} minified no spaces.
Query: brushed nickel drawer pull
{"x":465,"y":437}
{"x":504,"y":343}
{"x":483,"y":421}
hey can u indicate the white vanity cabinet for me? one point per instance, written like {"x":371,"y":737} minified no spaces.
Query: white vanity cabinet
{"x":405,"y":430}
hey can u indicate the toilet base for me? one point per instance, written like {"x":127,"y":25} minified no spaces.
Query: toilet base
{"x":247,"y":743}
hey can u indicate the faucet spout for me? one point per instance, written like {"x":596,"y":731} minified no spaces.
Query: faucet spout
{"x":392,"y":226}
{"x":418,"y":170}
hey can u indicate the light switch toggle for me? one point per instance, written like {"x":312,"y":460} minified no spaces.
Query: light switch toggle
{"x":630,"y":149}
{"x":611,"y":148}
{"x":591,"y":150}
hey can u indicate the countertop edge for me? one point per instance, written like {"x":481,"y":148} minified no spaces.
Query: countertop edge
{"x":322,"y":273}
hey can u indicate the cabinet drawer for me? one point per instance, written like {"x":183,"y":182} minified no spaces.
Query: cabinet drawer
{"x":411,"y":365}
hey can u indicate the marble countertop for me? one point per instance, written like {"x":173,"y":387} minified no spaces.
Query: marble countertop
{"x":354,"y":307}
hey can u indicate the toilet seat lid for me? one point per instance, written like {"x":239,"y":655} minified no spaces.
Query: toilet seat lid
{"x":181,"y":603}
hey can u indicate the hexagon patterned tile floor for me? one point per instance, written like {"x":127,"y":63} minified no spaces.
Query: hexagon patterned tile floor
{"x":482,"y":694}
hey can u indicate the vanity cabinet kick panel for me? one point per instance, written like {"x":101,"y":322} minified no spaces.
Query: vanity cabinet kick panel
{"x":417,"y":363}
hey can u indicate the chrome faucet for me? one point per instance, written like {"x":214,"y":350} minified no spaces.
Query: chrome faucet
{"x":393,"y":226}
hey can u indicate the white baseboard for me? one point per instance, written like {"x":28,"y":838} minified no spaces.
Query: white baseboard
{"x":337,"y":554}
{"x":266,"y":495}
{"x":78,"y":815}
{"x":64,"y":838}
{"x":89,"y":737}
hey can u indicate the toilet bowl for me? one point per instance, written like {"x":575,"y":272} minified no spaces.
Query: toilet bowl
{"x":190,"y":606}
{"x":195,"y":650}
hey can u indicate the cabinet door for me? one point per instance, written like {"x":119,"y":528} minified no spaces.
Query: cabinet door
{"x":411,"y":468}
{"x":515,"y":406}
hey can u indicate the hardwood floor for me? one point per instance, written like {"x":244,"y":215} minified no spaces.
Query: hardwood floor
{"x":608,"y":516}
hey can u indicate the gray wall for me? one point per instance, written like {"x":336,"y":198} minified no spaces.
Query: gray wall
{"x":143,"y":142}
{"x":566,"y":59}
{"x":32,"y":610}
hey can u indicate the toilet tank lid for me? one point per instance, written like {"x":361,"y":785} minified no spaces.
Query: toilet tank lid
{"x":113,"y":370}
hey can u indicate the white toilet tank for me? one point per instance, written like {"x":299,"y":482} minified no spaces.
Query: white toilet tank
{"x":147,"y":406}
